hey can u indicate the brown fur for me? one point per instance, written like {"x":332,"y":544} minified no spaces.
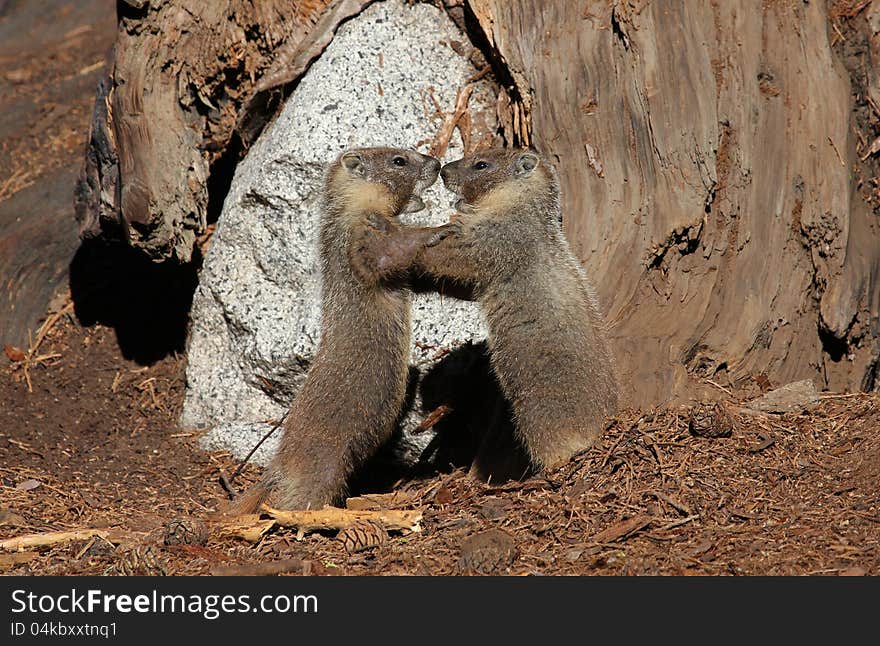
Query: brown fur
{"x":547,"y":338}
{"x":354,"y":391}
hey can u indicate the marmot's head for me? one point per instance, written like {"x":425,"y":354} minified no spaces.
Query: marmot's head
{"x":389,"y":181}
{"x":498,"y":179}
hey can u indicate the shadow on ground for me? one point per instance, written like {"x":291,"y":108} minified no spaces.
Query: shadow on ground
{"x":146,"y":303}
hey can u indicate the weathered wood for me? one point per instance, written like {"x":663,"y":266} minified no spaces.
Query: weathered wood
{"x":49,"y":539}
{"x":622,"y":528}
{"x":708,"y":191}
{"x":292,"y":59}
{"x":335,"y":518}
{"x":251,"y":527}
{"x":181,"y":72}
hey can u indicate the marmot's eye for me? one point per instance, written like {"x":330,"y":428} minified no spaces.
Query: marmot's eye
{"x":480,"y":165}
{"x":399,"y":161}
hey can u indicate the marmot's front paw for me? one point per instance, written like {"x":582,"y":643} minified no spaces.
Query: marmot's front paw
{"x":379,"y":223}
{"x":360,"y":252}
{"x":361,"y":262}
{"x":443,"y":232}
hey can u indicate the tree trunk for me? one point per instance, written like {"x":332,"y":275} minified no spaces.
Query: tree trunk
{"x":710,"y":177}
{"x":182,"y":72}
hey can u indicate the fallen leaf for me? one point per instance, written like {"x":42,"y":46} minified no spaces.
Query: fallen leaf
{"x":19,"y":76}
{"x":621,"y":529}
{"x":28,"y":485}
{"x":14,"y":354}
{"x":443,"y":496}
{"x":494,"y":508}
{"x":573,"y":554}
{"x":9,"y":518}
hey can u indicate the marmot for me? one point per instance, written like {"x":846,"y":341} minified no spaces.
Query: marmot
{"x":547,"y":339}
{"x":354,"y":391}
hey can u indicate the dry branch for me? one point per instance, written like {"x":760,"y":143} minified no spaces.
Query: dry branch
{"x":621,"y":529}
{"x":337,"y":519}
{"x":450,"y":121}
{"x":432,"y":419}
{"x":376,"y":501}
{"x":48,"y":539}
{"x":251,"y":527}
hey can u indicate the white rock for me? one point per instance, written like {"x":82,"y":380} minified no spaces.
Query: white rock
{"x":256,"y":312}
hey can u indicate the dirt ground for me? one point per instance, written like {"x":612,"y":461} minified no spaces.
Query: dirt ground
{"x":94,"y":445}
{"x":89,"y":440}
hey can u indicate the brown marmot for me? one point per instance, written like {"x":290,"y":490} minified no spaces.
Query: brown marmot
{"x":547,"y":339}
{"x":355,"y":389}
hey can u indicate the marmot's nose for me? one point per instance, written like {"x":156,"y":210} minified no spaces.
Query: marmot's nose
{"x":432,"y":163}
{"x":444,"y":173}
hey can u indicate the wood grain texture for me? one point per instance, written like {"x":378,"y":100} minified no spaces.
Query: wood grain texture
{"x":706,"y":159}
{"x":181,"y":72}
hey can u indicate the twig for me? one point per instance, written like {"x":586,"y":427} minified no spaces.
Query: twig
{"x":85,"y":548}
{"x":873,"y":148}
{"x":238,"y":470}
{"x":441,"y":140}
{"x":846,"y":396}
{"x":719,"y":387}
{"x":47,"y":539}
{"x":478,"y":75}
{"x":839,"y":158}
{"x":251,"y":527}
{"x":227,"y":485}
{"x":839,"y":33}
{"x":622,"y":529}
{"x":432,"y":419}
{"x":47,"y":325}
{"x":311,"y":520}
{"x":679,"y":522}
{"x":611,"y":450}
{"x":31,"y":358}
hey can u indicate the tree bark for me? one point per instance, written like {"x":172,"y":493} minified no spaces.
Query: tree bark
{"x":182,"y":71}
{"x":710,"y":184}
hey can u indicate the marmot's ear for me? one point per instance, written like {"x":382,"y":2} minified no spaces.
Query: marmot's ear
{"x":353,"y":162}
{"x":526,"y":162}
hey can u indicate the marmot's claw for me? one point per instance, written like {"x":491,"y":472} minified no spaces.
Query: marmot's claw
{"x":359,"y":261}
{"x":453,"y":228}
{"x":378,"y":222}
